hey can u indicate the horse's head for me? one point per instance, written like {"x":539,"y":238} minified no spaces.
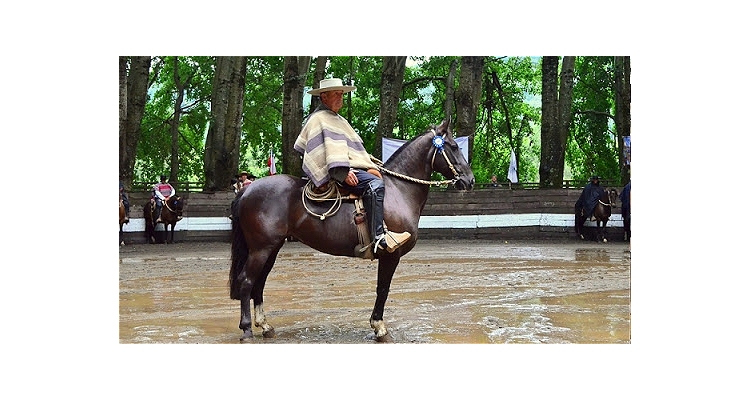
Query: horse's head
{"x":447,"y":158}
{"x":175,"y":204}
{"x":609,"y":196}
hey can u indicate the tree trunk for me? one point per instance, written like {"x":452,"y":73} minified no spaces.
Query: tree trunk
{"x":295,"y":76}
{"x":507,"y":116}
{"x":622,"y":111}
{"x":180,"y":86}
{"x":449,"y":90}
{"x":223,"y":139}
{"x":468,"y":96}
{"x":318,"y":75}
{"x":391,"y":82}
{"x":123,"y":115}
{"x":136,"y":93}
{"x":564,"y":105}
{"x":550,"y":135}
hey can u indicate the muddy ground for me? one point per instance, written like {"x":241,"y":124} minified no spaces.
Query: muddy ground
{"x":444,"y":291}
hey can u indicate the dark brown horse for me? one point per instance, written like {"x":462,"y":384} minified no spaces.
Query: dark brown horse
{"x":171,"y":212}
{"x":603,"y":211}
{"x":122,"y":219}
{"x":271,"y":209}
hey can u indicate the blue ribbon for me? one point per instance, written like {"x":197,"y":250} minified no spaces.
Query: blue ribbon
{"x":438,"y":142}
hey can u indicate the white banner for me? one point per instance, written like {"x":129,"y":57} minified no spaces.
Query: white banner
{"x":513,"y":167}
{"x":391,"y":145}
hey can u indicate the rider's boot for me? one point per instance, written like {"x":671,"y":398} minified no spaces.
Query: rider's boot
{"x":158,"y":215}
{"x":384,"y":240}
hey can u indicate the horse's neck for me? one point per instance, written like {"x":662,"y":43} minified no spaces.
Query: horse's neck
{"x":411,"y":160}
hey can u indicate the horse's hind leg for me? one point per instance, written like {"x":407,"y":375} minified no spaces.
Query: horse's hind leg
{"x":257,"y":295}
{"x":257,"y":268}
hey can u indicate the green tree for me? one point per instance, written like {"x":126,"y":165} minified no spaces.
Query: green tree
{"x":223,"y":138}
{"x":510,"y":119}
{"x":176,"y":119}
{"x":391,"y":81}
{"x":295,"y":75}
{"x":134,"y":73}
{"x":592,"y":145}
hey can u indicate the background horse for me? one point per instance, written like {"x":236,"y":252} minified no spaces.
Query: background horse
{"x":171,"y":212}
{"x":271,"y":209}
{"x":122,"y":219}
{"x":603,"y":211}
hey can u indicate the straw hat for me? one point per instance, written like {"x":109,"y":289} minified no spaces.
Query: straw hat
{"x":327,"y":85}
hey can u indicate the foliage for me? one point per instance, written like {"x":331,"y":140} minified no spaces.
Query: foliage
{"x":592,"y":144}
{"x":520,"y":79}
{"x":154,"y":147}
{"x":261,"y":125}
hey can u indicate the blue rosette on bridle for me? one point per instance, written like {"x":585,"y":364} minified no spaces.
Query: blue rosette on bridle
{"x":438,"y":142}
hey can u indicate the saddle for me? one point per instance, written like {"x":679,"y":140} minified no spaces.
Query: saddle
{"x":335,"y":192}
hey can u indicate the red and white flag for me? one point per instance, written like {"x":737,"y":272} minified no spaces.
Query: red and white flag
{"x":271,"y":163}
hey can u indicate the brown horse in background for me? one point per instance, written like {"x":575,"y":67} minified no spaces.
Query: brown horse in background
{"x":603,"y":211}
{"x":122,"y":219}
{"x":171,"y":213}
{"x":272,"y":209}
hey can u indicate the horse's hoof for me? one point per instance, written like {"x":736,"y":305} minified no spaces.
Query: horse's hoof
{"x":269,"y":334}
{"x":248,"y":335}
{"x":604,"y":240}
{"x":122,"y":243}
{"x":387,"y":338}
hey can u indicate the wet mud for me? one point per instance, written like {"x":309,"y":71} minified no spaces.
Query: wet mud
{"x":444,"y":291}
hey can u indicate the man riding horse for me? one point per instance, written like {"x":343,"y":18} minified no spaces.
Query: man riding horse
{"x":332,"y":150}
{"x":586,"y":203}
{"x":162,"y":192}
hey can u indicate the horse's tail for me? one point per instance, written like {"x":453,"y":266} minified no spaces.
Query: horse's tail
{"x":239,"y":257}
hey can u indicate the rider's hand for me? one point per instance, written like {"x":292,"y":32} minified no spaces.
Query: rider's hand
{"x":351,"y":179}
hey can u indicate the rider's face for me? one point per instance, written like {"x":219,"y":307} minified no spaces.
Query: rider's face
{"x":333,"y":99}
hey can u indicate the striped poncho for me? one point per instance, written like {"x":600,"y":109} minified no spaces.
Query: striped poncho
{"x":328,"y":141}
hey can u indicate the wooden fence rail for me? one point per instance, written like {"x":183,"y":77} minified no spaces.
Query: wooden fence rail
{"x":484,"y":213}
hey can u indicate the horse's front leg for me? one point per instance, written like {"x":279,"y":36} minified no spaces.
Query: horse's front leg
{"x":386,"y":268}
{"x":604,"y":231}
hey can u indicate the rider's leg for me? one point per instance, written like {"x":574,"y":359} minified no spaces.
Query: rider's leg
{"x":372,"y":191}
{"x":126,"y":203}
{"x":159,"y":204}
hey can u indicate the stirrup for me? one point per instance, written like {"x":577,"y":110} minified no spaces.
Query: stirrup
{"x":379,"y":244}
{"x":392,"y":241}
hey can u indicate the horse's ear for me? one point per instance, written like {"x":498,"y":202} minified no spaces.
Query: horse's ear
{"x":445,"y":126}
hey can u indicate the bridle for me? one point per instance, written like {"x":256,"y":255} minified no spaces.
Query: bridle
{"x":609,"y":195}
{"x":438,"y":141}
{"x":166,"y":204}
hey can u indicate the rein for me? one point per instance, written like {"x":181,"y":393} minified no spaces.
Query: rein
{"x":438,"y":149}
{"x":166,"y":204}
